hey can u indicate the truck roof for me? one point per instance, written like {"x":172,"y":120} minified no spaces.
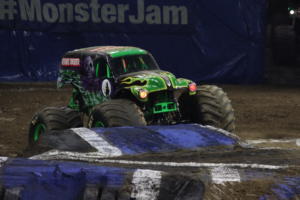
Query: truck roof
{"x":113,"y":51}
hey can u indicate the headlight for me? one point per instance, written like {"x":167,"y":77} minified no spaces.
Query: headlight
{"x":143,"y":94}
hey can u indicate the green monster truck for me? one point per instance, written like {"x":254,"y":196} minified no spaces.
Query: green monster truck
{"x":123,"y":86}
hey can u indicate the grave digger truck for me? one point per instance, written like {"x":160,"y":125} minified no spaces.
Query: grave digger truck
{"x":123,"y":86}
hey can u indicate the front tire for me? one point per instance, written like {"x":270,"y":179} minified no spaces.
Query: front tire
{"x":52,"y":118}
{"x":213,"y":107}
{"x":116,"y":112}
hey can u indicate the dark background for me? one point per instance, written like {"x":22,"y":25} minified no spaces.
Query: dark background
{"x":222,"y":43}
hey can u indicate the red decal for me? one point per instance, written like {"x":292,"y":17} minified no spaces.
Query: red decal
{"x":70,"y":62}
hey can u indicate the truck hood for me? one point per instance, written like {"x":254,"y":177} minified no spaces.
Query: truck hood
{"x":152,"y":81}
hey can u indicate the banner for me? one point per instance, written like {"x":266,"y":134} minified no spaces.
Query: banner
{"x":95,"y":15}
{"x":207,"y":41}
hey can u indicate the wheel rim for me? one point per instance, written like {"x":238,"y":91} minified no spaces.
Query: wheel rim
{"x":99,"y":124}
{"x":38,"y":130}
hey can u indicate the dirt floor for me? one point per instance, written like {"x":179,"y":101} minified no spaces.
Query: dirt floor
{"x":261,"y":111}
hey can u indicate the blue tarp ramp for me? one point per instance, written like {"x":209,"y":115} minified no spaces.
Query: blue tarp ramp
{"x":155,"y":162}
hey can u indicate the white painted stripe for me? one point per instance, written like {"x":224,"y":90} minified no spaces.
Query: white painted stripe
{"x":98,"y":142}
{"x":194,"y":164}
{"x":67,"y":155}
{"x":274,"y":148}
{"x":229,"y":134}
{"x":260,"y":141}
{"x":146,"y":184}
{"x":2,"y":160}
{"x":298,"y":142}
{"x":221,"y":175}
{"x":96,"y":157}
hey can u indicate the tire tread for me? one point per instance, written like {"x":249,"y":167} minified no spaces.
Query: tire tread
{"x":214,"y":108}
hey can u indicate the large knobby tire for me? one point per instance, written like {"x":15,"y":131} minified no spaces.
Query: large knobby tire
{"x":52,"y":118}
{"x":213,"y":107}
{"x":116,"y":112}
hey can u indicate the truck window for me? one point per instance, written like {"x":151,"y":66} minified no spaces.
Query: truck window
{"x":101,"y":68}
{"x":133,"y":63}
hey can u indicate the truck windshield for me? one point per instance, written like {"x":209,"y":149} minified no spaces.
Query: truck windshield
{"x":135,"y":63}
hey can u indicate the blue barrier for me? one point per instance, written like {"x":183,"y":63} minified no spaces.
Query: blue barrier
{"x":27,"y":179}
{"x":137,"y":140}
{"x":48,"y":175}
{"x":59,"y":180}
{"x":287,"y":188}
{"x":206,"y":41}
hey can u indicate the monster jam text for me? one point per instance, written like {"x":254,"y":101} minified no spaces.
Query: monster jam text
{"x":93,"y":11}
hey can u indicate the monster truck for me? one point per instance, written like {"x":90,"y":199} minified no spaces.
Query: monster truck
{"x":123,"y":86}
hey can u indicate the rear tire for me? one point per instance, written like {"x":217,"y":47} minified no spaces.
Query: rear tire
{"x":213,"y":107}
{"x":116,"y":112}
{"x":52,"y":118}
